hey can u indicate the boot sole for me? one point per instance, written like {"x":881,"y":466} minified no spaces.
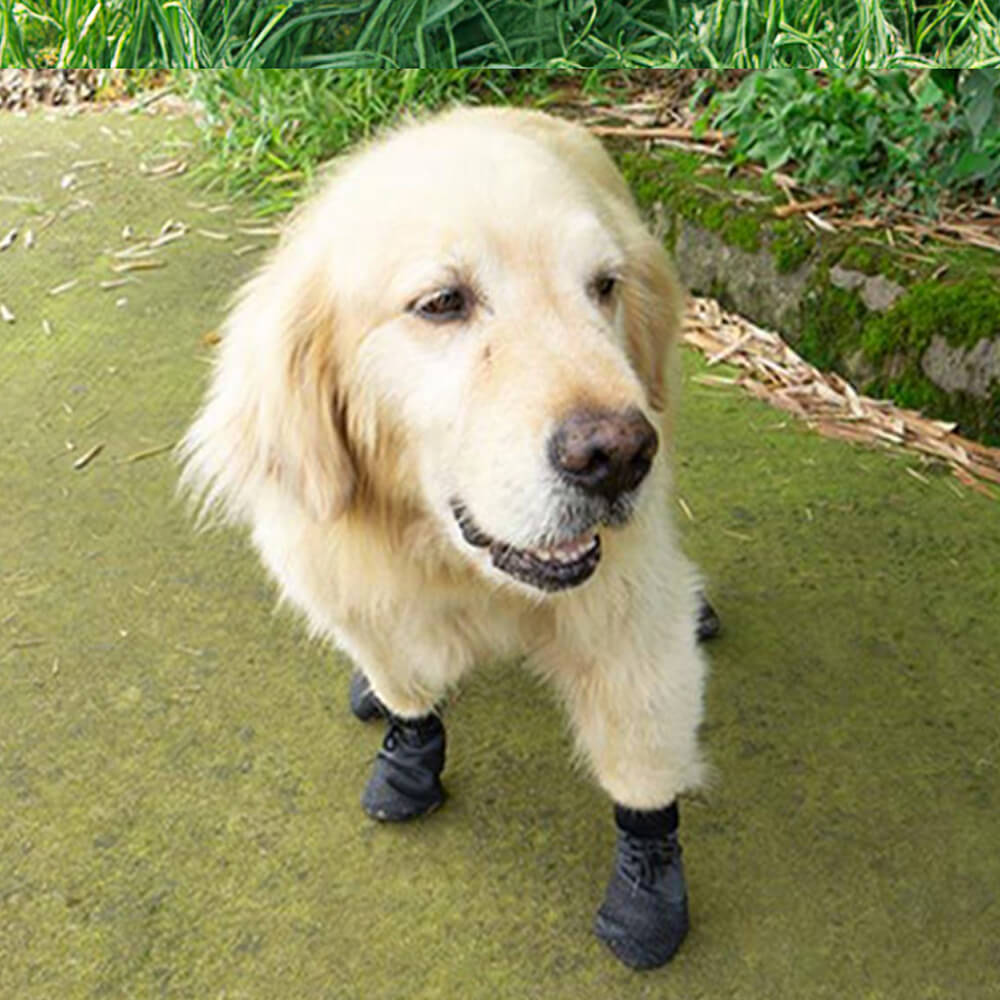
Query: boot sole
{"x":384,"y":816}
{"x":633,"y":953}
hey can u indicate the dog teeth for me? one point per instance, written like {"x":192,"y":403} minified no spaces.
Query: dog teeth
{"x":569,"y":552}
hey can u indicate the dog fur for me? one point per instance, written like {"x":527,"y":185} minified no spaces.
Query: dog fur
{"x":340,"y":423}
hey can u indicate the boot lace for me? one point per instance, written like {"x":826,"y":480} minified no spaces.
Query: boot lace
{"x":643,"y":859}
{"x":411,"y":733}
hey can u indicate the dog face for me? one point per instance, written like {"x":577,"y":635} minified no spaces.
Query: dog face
{"x":469,"y":324}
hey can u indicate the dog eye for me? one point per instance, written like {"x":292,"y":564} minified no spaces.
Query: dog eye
{"x":443,"y":305}
{"x":603,"y":286}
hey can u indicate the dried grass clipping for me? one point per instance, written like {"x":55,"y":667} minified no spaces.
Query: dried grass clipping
{"x":773,"y":372}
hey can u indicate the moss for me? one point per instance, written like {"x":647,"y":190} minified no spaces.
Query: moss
{"x":832,"y":320}
{"x":660,"y":176}
{"x":742,"y":229}
{"x":711,"y":214}
{"x":717,"y":290}
{"x":835,"y":321}
{"x":675,"y":179}
{"x":736,"y":225}
{"x":963,"y":311}
{"x":861,"y":257}
{"x":791,"y":245}
{"x":870,"y":258}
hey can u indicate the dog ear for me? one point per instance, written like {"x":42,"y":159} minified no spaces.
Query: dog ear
{"x":273,"y":418}
{"x":653,"y":304}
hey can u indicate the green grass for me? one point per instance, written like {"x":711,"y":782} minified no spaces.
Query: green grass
{"x":266,"y":132}
{"x":443,"y":34}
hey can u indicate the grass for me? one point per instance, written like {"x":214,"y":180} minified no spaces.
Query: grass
{"x":891,"y":139}
{"x":266,"y":132}
{"x":450,"y":34}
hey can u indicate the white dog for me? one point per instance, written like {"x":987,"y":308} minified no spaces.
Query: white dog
{"x":441,"y":407}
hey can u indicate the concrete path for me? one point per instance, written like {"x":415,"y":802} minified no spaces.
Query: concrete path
{"x":179,"y":778}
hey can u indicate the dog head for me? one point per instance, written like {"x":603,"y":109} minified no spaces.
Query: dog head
{"x":469,"y":324}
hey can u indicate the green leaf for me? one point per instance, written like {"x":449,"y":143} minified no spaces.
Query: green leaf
{"x":946,"y":80}
{"x":973,"y":166}
{"x":982,"y":87}
{"x":931,"y":95}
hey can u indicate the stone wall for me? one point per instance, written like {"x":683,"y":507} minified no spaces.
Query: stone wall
{"x":918,"y":324}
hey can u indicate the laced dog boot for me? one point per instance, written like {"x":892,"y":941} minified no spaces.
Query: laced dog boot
{"x":406,"y":780}
{"x":364,"y":704}
{"x":707,"y":623}
{"x":644,"y":916}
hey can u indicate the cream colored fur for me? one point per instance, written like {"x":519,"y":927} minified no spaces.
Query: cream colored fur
{"x":338,"y":424}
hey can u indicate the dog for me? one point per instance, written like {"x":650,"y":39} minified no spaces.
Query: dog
{"x":443,"y":408}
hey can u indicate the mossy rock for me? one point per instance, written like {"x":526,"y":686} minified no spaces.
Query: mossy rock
{"x":932,"y":343}
{"x":964,"y":310}
{"x":791,"y":244}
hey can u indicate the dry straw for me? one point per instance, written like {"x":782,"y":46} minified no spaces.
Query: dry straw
{"x":773,"y":372}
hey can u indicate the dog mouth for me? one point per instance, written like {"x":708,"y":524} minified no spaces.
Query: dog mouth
{"x":546,"y":567}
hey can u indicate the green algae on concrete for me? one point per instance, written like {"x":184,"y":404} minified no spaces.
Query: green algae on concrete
{"x":945,"y":292}
{"x":179,"y":775}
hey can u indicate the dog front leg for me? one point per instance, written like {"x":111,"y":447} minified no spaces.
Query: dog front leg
{"x":636,"y":723}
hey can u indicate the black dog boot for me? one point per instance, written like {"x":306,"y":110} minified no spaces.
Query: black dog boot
{"x":644,"y":917}
{"x":364,"y":705}
{"x":707,"y":623}
{"x":406,"y":780}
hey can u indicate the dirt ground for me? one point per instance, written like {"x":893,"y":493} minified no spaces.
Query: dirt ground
{"x":179,"y":776}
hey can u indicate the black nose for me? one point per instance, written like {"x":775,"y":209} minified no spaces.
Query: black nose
{"x":604,"y":453}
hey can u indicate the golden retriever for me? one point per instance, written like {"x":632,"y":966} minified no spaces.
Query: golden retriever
{"x":442,"y":407}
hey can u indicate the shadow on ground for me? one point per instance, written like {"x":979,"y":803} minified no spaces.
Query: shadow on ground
{"x":179,"y":778}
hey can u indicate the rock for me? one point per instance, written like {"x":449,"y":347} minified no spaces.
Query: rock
{"x":748,"y":282}
{"x":975,"y":370}
{"x":877,"y":292}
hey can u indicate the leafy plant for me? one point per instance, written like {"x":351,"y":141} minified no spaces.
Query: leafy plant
{"x":973,"y":155}
{"x":893,"y":138}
